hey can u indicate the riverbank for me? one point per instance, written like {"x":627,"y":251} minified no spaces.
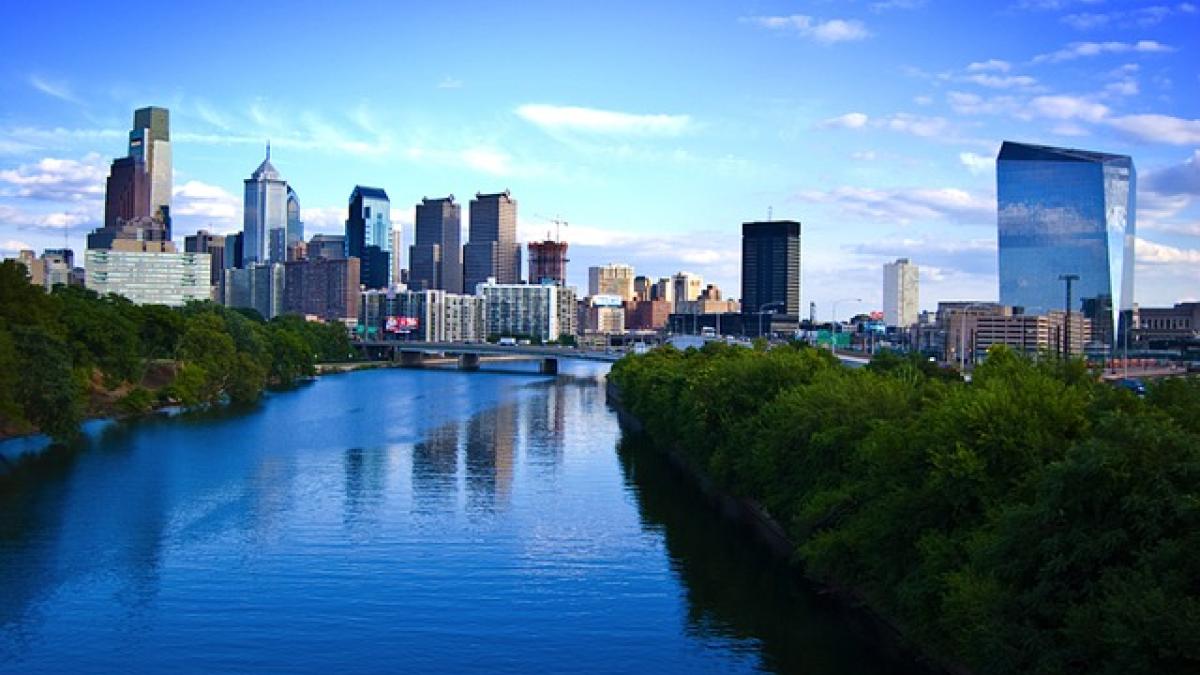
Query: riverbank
{"x":1018,"y":524}
{"x":757,"y":524}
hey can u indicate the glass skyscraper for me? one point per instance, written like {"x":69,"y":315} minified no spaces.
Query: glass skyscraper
{"x":264,"y":219}
{"x":1067,"y":212}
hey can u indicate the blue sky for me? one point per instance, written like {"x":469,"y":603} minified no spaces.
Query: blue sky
{"x":654,"y":129}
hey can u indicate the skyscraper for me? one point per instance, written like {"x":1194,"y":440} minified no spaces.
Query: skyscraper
{"x":295,"y":226}
{"x":901,"y":302}
{"x":771,"y":268}
{"x":435,"y":258}
{"x":265,"y":210}
{"x":493,"y":250}
{"x":137,"y":196}
{"x":369,"y":234}
{"x":1067,"y":212}
{"x":150,"y":142}
{"x":686,"y":287}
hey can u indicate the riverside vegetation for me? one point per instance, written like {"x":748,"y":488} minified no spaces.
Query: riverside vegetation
{"x":70,"y":353}
{"x":1033,"y":520}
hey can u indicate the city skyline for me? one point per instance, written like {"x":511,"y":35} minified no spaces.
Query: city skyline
{"x":653,"y":159}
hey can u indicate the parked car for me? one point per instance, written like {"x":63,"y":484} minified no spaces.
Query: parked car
{"x":1133,"y":384}
{"x":508,"y":342}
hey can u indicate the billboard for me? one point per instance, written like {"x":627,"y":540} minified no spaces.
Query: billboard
{"x":400,"y":324}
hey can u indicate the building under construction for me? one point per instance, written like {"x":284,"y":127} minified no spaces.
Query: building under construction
{"x":548,"y":262}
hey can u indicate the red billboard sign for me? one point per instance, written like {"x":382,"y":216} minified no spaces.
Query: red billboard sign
{"x":400,"y":324}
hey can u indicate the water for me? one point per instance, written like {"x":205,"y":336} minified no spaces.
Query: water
{"x":385,"y":521}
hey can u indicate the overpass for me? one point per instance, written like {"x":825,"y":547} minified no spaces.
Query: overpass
{"x":470,"y":353}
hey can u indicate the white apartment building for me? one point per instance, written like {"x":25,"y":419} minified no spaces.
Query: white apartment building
{"x":901,"y":298}
{"x":149,"y":277}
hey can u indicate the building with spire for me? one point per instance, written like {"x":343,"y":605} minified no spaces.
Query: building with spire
{"x":264,"y":212}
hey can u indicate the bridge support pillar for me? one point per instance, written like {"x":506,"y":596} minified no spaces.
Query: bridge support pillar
{"x":468,"y":362}
{"x":409,"y":359}
{"x":548,"y":367}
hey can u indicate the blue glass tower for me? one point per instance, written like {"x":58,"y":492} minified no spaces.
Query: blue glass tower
{"x":1065,"y":212}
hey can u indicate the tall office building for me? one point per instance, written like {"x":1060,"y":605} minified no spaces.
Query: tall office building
{"x":771,"y":268}
{"x":611,"y":279}
{"x":435,"y":258}
{"x":369,"y":234}
{"x":234,"y":249}
{"x":295,"y":226}
{"x":492,"y":251}
{"x":397,"y":273}
{"x":264,"y":211}
{"x":137,"y":196}
{"x":901,"y":302}
{"x":1067,"y":212}
{"x":548,"y":262}
{"x":150,"y":142}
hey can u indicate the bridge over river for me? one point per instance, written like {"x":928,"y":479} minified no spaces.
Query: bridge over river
{"x":470,"y":354}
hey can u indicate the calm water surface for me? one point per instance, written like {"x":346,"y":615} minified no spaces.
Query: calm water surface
{"x":379,"y":521}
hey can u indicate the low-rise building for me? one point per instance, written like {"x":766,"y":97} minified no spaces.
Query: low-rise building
{"x":149,"y":277}
{"x":426,"y":316}
{"x":1165,"y":327}
{"x":605,"y":315}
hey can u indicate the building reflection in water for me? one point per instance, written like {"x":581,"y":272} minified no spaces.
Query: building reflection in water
{"x":366,"y":471}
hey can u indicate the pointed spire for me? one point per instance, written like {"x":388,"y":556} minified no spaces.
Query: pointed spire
{"x":268,"y":148}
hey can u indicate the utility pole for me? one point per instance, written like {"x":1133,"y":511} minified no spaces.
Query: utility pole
{"x":1069,"y":278}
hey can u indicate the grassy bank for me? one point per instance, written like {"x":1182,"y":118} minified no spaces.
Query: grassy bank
{"x":1034,"y":521}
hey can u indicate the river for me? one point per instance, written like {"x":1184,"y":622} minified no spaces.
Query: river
{"x":396,"y":521}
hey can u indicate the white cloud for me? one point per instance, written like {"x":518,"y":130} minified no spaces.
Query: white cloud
{"x":596,"y":121}
{"x":1159,"y":128}
{"x":208,"y":206}
{"x":1066,"y":108}
{"x":1141,"y":17}
{"x":323,"y":219}
{"x":81,"y":215}
{"x":827,"y":32}
{"x":851,"y":120}
{"x":55,"y":179}
{"x":976,"y":164}
{"x":917,"y":125}
{"x":1078,"y":50}
{"x":1151,"y":253}
{"x":59,"y":90}
{"x":450,"y":83}
{"x":891,"y":206}
{"x":992,"y":65}
{"x":1000,"y":81}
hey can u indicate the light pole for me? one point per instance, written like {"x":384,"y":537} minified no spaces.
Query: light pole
{"x":836,"y":325}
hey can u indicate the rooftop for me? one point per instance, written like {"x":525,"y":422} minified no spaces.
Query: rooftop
{"x":1010,"y":150}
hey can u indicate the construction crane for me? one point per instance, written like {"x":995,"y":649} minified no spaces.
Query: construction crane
{"x":558,"y":222}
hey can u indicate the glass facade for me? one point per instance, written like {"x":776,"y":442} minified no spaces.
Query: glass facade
{"x":1067,"y":212}
{"x":150,"y":278}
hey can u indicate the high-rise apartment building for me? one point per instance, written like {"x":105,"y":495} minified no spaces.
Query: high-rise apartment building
{"x":771,"y":269}
{"x":150,"y":143}
{"x":548,"y":262}
{"x":537,"y":312}
{"x":492,"y":251}
{"x":901,"y":300}
{"x":611,"y":279}
{"x":257,"y":286}
{"x":264,"y":212}
{"x":435,"y":258}
{"x":325,"y":288}
{"x":1067,"y":212}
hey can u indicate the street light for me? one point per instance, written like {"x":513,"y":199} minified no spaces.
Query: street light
{"x":762,"y":310}
{"x":836,"y":325}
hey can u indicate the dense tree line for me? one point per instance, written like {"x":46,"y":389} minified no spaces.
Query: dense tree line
{"x":1034,"y":520}
{"x":58,"y":349}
